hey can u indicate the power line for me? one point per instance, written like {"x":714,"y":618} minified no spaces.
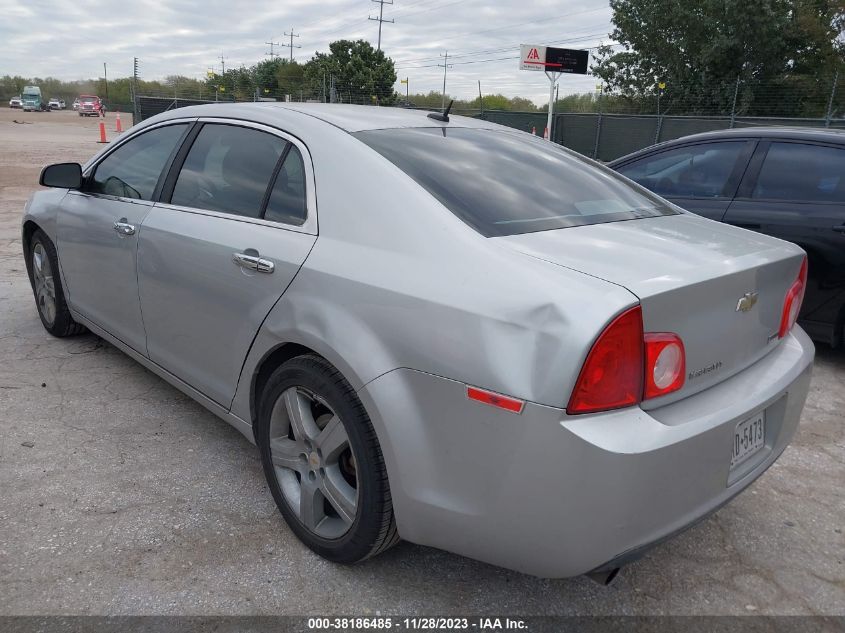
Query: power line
{"x":434,"y":8}
{"x":291,"y":46}
{"x":380,"y":19}
{"x":503,"y":50}
{"x":578,"y":37}
{"x":338,"y":17}
{"x":346,"y":25}
{"x":544,"y":19}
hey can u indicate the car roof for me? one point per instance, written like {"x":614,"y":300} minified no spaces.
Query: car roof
{"x":775,"y":131}
{"x":348,"y":117}
{"x":828,"y":135}
{"x":355,"y":118}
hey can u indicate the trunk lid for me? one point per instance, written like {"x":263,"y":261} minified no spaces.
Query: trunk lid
{"x":690,"y":275}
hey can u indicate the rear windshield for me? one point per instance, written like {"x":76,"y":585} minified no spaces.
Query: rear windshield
{"x":505,"y":183}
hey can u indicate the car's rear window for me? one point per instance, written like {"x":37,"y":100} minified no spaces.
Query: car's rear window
{"x":505,"y":183}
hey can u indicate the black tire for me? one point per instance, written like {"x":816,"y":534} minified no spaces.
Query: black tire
{"x":62,"y":323}
{"x":374,"y":528}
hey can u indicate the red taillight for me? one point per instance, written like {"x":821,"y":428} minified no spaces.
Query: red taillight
{"x":612,"y":375}
{"x":793,"y":300}
{"x":626,"y":366}
{"x":665,"y":364}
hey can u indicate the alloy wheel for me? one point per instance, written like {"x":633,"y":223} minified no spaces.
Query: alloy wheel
{"x":45,"y":290}
{"x":313,"y":462}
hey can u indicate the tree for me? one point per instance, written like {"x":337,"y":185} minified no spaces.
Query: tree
{"x":361,"y":73}
{"x":265,"y":75}
{"x":521,"y":104}
{"x":289,"y":78}
{"x":700,"y":49}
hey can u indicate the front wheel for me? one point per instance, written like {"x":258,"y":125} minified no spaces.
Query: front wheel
{"x":43,"y":268}
{"x":323,"y":462}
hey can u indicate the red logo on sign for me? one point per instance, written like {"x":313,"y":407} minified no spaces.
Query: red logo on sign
{"x":533,"y":54}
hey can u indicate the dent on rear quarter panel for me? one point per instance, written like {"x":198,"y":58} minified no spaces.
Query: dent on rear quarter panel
{"x":396,"y":280}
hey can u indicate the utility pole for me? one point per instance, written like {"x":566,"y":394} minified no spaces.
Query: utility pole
{"x":106,"y":78}
{"x":480,"y":99}
{"x":136,"y":119}
{"x":660,"y":87}
{"x":600,"y":88}
{"x":272,"y":44}
{"x":733,"y":106}
{"x":829,"y":114}
{"x":445,"y":65}
{"x":291,"y":46}
{"x":223,"y":64}
{"x":380,"y":18}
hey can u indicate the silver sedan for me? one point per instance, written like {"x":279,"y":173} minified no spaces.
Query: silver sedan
{"x":434,"y":328}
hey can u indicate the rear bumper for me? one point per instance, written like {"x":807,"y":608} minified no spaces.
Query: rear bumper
{"x":553,"y":495}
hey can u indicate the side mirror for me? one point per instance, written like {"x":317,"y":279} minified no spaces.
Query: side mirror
{"x":62,"y":175}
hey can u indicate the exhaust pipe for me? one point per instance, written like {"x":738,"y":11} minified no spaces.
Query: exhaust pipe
{"x":605,"y":577}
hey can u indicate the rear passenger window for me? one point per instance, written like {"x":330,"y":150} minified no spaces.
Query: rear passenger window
{"x":287,"y":198}
{"x":809,"y":173}
{"x":694,"y":171}
{"x":228,"y":169}
{"x":133,"y":169}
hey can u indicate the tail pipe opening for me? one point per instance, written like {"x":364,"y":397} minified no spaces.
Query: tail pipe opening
{"x":605,"y":577}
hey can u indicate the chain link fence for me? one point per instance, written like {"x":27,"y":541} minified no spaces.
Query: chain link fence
{"x":599,"y":125}
{"x":609,"y":136}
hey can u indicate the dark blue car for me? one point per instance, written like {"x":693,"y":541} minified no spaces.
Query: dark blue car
{"x":784,"y":182}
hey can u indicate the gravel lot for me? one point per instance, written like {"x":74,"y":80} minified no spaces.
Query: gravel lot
{"x":119,"y":495}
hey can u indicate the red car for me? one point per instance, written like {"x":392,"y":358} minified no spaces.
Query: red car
{"x":90,"y":106}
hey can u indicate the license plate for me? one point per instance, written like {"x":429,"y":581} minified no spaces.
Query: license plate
{"x":749,"y":437}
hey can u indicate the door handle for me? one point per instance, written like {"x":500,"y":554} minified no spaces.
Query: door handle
{"x":252,"y":262}
{"x":840,"y":228}
{"x":123,"y":227}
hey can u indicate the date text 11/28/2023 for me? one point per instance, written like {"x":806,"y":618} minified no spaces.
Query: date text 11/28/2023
{"x":386,"y":623}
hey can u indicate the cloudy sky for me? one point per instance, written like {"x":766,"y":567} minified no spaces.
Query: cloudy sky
{"x":71,"y":40}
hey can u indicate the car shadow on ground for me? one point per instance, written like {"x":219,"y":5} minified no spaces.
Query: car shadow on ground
{"x":828,"y":355}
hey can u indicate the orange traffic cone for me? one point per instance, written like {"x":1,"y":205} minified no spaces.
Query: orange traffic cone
{"x":534,"y":130}
{"x":117,"y":126}
{"x":102,"y":133}
{"x":546,"y":133}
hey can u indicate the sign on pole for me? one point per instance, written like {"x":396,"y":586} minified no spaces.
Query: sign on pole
{"x":553,"y":61}
{"x":559,"y":60}
{"x":532,"y":57}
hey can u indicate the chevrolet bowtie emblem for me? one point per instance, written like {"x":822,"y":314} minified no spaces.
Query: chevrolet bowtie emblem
{"x":746,"y":302}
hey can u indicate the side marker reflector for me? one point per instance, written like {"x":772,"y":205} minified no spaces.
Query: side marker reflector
{"x":495,"y":399}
